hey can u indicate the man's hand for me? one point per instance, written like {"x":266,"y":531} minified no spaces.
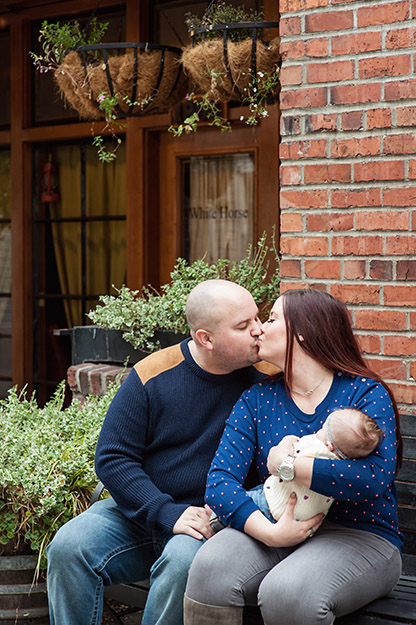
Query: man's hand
{"x":278,"y":453}
{"x":194,"y":521}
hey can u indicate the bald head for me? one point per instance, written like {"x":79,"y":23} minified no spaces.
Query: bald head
{"x":208,"y":301}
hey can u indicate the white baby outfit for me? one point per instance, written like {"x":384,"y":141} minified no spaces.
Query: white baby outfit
{"x":309,"y":503}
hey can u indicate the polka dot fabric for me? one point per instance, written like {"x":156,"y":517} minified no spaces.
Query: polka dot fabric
{"x":363,"y":489}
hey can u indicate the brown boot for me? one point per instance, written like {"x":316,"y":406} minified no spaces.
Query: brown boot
{"x":201,"y":614}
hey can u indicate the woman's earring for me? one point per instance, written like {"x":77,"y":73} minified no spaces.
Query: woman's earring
{"x":300,"y":337}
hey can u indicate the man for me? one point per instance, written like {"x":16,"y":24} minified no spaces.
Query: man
{"x":153,"y":455}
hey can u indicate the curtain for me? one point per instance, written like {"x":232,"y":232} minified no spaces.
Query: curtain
{"x":221,"y":206}
{"x":105,"y":195}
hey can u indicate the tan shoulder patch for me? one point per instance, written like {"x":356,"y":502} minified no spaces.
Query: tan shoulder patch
{"x":267,"y":368}
{"x":159,"y":362}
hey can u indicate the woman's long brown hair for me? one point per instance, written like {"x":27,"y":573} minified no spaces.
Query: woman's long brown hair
{"x":324,"y":323}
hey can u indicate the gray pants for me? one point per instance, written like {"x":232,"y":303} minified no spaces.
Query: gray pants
{"x":334,"y":573}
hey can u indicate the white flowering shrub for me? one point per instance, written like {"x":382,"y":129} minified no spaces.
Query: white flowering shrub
{"x":47,"y":463}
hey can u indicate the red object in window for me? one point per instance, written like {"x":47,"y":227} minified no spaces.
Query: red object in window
{"x":49,"y":182}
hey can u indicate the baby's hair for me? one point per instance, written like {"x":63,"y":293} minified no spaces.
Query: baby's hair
{"x":361,"y":437}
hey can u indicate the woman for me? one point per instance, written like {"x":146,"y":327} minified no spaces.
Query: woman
{"x":297,"y":574}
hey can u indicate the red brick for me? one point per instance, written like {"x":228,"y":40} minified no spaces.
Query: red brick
{"x":380,"y":320}
{"x":399,"y":295}
{"x":401,"y":245}
{"x":289,"y":125}
{"x":304,"y":246}
{"x":313,"y":48}
{"x":385,"y":66}
{"x":404,"y":393}
{"x":400,"y":38}
{"x":300,"y":5}
{"x":319,"y":22}
{"x":381,"y":269}
{"x":304,"y":199}
{"x":413,"y":369}
{"x":320,"y":121}
{"x":404,"y":196}
{"x":355,"y":94}
{"x":291,"y":222}
{"x":354,"y":269}
{"x":330,"y":72}
{"x":324,"y":222}
{"x":406,"y":270}
{"x":347,"y":148}
{"x":378,"y":118}
{"x":370,"y":344}
{"x":291,"y":75}
{"x":382,"y":220}
{"x":399,"y":345}
{"x":289,"y":175}
{"x":406,"y":116}
{"x":357,"y":246}
{"x":353,"y":120}
{"x":400,"y":144}
{"x":412,"y":170}
{"x":314,"y":148}
{"x":324,"y":269}
{"x":356,"y":43}
{"x":289,"y":26}
{"x":327,"y":173}
{"x":303,"y":98}
{"x":356,"y":293}
{"x":379,"y":170}
{"x":388,"y":369}
{"x":290,"y":268}
{"x":383,"y":14}
{"x":359,"y":199}
{"x":400,"y":90}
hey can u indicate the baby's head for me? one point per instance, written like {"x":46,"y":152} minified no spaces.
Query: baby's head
{"x":350,"y":433}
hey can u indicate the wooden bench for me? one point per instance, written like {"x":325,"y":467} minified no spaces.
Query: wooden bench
{"x":399,"y":606}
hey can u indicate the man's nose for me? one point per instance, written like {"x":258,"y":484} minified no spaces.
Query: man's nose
{"x":256,"y":331}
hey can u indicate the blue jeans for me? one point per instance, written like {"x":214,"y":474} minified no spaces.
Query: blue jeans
{"x":102,"y":547}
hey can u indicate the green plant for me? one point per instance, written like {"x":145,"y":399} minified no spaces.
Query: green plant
{"x":56,"y":39}
{"x":47,"y":468}
{"x":223,"y":13}
{"x":140,"y":316}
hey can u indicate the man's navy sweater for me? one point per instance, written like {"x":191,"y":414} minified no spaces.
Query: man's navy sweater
{"x":161,"y":432}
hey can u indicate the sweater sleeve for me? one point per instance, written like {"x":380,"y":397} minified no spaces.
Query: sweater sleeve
{"x":119,"y":460}
{"x":225,"y":493}
{"x":366,"y":478}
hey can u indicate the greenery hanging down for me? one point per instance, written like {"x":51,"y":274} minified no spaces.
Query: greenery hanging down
{"x":140,"y":316}
{"x":47,"y":469}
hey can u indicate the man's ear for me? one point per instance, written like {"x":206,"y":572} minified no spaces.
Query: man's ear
{"x":203,"y":338}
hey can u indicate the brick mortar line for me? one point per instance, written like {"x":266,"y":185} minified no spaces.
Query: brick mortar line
{"x":335,"y":8}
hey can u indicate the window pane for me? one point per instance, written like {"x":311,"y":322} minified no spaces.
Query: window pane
{"x":218,"y":206}
{"x":5,"y":78}
{"x":5,"y":276}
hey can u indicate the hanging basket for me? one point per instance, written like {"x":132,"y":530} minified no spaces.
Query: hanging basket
{"x":226,"y":69}
{"x":146,"y":78}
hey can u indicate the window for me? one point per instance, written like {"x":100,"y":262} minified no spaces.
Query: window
{"x":5,"y":276}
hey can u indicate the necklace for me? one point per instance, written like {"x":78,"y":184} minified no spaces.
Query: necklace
{"x":307,"y":393}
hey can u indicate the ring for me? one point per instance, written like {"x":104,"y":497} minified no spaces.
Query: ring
{"x":311,"y":532}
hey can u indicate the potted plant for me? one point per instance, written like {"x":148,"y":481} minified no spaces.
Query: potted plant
{"x":229,"y":60}
{"x":141,"y":316}
{"x":46,"y":477}
{"x":109,"y":81}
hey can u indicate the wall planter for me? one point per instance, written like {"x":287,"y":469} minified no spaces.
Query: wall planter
{"x":136,"y":78}
{"x":230,"y":70}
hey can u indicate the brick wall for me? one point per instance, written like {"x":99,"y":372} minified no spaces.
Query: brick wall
{"x":348,"y":169}
{"x":93,"y":379}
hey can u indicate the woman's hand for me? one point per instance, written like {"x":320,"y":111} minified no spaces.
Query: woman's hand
{"x":278,"y":453}
{"x":287,"y":532}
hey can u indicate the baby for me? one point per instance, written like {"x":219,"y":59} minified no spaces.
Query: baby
{"x":346,"y":433}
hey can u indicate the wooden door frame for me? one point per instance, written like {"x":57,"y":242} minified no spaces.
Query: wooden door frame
{"x":263,"y":141}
